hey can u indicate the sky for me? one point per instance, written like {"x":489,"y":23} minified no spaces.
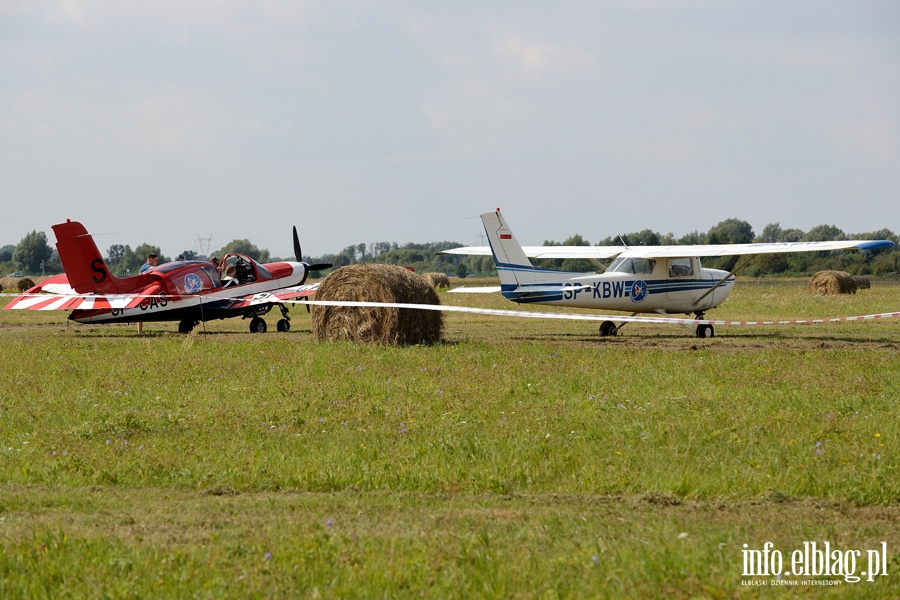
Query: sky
{"x":170,"y":122}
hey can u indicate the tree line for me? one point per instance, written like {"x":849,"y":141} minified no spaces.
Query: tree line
{"x":34,"y":256}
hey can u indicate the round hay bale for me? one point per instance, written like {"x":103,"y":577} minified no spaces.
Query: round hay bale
{"x":828,"y":283}
{"x":25,"y":284}
{"x":437,"y":280}
{"x":862,"y":282}
{"x":375,"y":325}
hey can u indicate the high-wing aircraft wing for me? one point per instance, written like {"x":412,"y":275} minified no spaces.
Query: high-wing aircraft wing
{"x":698,"y":251}
{"x":586,"y":252}
{"x":677,"y":251}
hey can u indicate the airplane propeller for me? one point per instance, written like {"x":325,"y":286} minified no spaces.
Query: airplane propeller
{"x":298,"y":254}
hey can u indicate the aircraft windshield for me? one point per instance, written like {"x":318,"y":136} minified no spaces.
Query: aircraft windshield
{"x":633,"y":266}
{"x":247,"y":270}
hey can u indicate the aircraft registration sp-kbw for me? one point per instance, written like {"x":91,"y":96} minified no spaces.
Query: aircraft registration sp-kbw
{"x":640,"y":279}
{"x":188,"y":291}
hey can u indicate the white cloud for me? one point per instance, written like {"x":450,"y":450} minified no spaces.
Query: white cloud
{"x":601,"y":106}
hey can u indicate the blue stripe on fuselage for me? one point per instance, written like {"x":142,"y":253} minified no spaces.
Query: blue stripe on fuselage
{"x":603,"y":289}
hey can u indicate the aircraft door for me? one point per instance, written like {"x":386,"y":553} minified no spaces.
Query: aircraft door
{"x":681,"y":280}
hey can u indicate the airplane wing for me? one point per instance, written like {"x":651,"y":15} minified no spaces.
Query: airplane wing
{"x":679,"y":251}
{"x":742,"y":249}
{"x":277,"y":297}
{"x":55,"y":293}
{"x":587,"y":252}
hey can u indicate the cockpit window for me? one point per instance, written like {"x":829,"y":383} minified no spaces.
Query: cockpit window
{"x":634,"y":266}
{"x":247,"y":270}
{"x":680,"y":267}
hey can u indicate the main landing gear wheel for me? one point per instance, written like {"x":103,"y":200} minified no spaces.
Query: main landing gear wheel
{"x":257,"y":325}
{"x":185,"y":326}
{"x":705,"y":331}
{"x":607,"y":329}
{"x":283,"y":325}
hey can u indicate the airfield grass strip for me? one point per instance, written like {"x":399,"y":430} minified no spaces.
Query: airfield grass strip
{"x":513,"y":460}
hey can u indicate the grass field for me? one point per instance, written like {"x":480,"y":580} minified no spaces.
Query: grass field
{"x":520,"y":458}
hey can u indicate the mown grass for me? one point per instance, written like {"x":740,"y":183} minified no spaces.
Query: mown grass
{"x":517,"y":459}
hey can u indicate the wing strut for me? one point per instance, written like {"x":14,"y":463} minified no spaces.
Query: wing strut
{"x":723,"y":280}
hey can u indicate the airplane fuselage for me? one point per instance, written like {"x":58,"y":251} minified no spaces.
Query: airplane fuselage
{"x":189,"y":292}
{"x":631,"y":285}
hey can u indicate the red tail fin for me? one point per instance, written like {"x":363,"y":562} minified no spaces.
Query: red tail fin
{"x":84,"y":265}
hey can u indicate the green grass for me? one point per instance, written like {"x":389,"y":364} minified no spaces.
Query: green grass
{"x":520,"y":458}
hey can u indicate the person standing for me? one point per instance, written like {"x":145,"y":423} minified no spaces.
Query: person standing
{"x":152,"y":260}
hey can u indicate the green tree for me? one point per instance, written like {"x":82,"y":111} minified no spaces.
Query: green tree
{"x":791,"y":235}
{"x":115,"y":254}
{"x":132,"y":262}
{"x":694,"y":238}
{"x":770,"y":234}
{"x":33,"y":253}
{"x":731,"y":231}
{"x":645,"y":237}
{"x":244,"y":247}
{"x":824,"y":233}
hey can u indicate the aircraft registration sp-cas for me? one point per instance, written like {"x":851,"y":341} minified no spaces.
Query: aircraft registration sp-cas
{"x":189,"y":291}
{"x":640,"y":279}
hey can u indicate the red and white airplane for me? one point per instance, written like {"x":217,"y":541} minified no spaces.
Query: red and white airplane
{"x":640,"y":279}
{"x":188,"y":291}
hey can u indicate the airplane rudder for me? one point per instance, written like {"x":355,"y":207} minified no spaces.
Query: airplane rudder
{"x":513,"y":265}
{"x":81,"y":259}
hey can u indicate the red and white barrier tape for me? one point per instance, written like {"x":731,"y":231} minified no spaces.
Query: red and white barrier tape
{"x":584,"y":317}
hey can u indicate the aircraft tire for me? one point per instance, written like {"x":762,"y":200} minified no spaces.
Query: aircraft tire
{"x":705,"y":331}
{"x":607,"y":329}
{"x":257,"y":325}
{"x":185,"y":326}
{"x":283,"y":325}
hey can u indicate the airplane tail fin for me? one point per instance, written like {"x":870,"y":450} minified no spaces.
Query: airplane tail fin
{"x":513,"y":265}
{"x":81,"y":259}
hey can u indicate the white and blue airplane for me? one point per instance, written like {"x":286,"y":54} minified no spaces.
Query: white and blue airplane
{"x":640,"y":279}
